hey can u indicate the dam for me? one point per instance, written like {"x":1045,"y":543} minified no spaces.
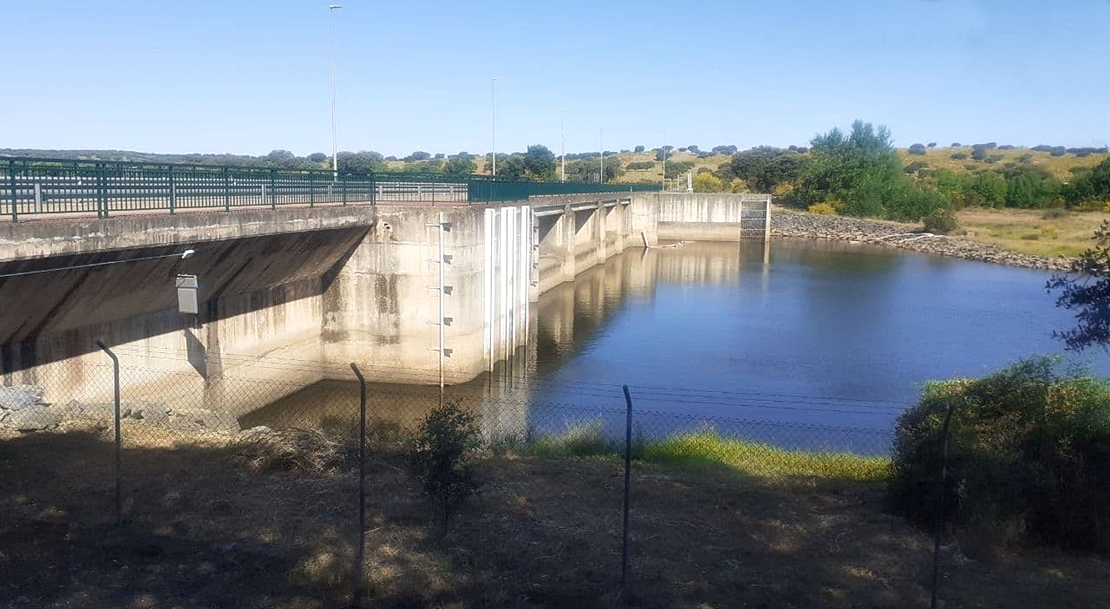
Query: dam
{"x":295,"y":293}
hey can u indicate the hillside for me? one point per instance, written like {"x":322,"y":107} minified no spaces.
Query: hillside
{"x":1060,"y":167}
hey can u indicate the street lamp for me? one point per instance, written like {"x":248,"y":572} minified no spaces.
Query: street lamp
{"x":563,"y":142}
{"x":334,"y":100}
{"x":493,"y":123}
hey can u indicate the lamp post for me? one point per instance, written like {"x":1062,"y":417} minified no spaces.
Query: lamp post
{"x":664,"y":160}
{"x":334,"y":100}
{"x":601,"y":147}
{"x":493,"y":123}
{"x":563,"y":143}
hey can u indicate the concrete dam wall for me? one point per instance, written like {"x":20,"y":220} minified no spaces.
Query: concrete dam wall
{"x":291,"y":297}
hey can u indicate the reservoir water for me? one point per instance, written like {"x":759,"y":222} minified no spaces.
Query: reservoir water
{"x":771,"y":342}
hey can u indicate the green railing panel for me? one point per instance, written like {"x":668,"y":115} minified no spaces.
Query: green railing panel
{"x":36,"y":186}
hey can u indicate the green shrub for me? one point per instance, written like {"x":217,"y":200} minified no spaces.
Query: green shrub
{"x":1029,"y":456}
{"x":440,"y":457}
{"x":640,"y":165}
{"x":942,"y":222}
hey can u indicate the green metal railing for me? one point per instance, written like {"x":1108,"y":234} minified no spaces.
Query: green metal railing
{"x":41,"y":187}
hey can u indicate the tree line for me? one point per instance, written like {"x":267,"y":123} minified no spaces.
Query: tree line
{"x":859,"y":173}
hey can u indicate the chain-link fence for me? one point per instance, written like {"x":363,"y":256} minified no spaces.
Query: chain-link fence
{"x":245,"y":472}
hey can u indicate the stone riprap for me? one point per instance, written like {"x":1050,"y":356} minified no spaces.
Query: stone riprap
{"x":785,"y":224}
{"x":23,"y":410}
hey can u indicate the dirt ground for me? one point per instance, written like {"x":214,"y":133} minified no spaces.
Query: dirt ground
{"x":205,"y":525}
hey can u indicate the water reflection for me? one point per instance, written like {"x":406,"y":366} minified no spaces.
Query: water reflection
{"x":759,"y":340}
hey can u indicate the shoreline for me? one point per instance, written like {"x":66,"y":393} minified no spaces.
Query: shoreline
{"x":797,"y":225}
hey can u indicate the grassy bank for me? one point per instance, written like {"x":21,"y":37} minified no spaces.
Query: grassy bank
{"x":708,"y":449}
{"x":238,"y":524}
{"x":1036,"y":232}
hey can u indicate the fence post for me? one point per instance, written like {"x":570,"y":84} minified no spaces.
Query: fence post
{"x":627,"y":488}
{"x":273,"y":183}
{"x":361,"y":548}
{"x":15,"y":199}
{"x":311,"y":190}
{"x":938,"y":519}
{"x":343,"y":185}
{"x":227,"y":191}
{"x":173,"y":192}
{"x":101,"y":192}
{"x":115,"y":381}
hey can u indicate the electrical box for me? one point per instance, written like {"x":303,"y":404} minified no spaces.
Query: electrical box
{"x":187,"y":294}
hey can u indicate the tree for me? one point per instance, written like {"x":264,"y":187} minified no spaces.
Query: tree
{"x":857,"y":169}
{"x":707,"y":182}
{"x":317,"y":157}
{"x":440,"y":458}
{"x":581,"y":170}
{"x":460,"y":164}
{"x":540,"y":162}
{"x":677,"y":168}
{"x":511,"y":167}
{"x":1085,"y":289}
{"x":419,"y":155}
{"x":613,"y":168}
{"x":991,"y":188}
{"x":918,"y":149}
{"x":661,"y":154}
{"x":639,"y":149}
{"x":1093,"y":185}
{"x":361,"y":162}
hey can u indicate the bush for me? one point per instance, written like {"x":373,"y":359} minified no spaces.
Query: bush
{"x":918,"y":149}
{"x":915,"y":167}
{"x":941,"y":222}
{"x":640,"y":165}
{"x":1028,"y":456}
{"x":959,"y":156}
{"x":1054,"y":214}
{"x":440,"y":455}
{"x":823,"y":209}
{"x":707,"y":182}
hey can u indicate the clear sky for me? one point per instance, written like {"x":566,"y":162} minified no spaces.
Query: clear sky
{"x":252,"y":76}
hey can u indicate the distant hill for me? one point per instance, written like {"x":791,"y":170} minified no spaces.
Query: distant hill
{"x":636,"y":166}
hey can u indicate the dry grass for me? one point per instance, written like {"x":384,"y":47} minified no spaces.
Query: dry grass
{"x":1058,"y":166}
{"x":206,"y":528}
{"x":1030,"y":231}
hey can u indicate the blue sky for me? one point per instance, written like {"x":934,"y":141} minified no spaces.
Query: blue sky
{"x":251,"y":76}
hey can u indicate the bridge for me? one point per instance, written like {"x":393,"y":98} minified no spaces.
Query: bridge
{"x":304,"y":267}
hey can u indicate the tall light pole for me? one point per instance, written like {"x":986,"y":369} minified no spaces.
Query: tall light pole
{"x":664,"y":160}
{"x":334,"y":99}
{"x":493,"y":123}
{"x":563,"y":142}
{"x":601,"y":147}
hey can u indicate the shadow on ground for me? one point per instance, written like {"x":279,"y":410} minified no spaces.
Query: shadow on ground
{"x":210,"y":524}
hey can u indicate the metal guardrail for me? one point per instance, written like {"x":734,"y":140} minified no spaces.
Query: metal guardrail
{"x":42,"y":187}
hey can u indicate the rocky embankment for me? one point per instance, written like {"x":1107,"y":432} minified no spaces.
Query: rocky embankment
{"x":891,"y":234}
{"x":23,"y":409}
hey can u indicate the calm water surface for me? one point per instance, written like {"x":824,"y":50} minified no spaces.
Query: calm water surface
{"x":799,"y":333}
